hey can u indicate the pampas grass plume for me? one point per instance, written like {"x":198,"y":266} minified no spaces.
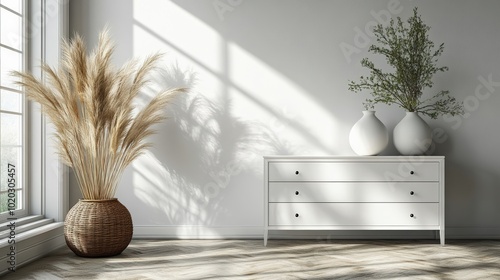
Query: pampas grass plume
{"x":91,"y":105}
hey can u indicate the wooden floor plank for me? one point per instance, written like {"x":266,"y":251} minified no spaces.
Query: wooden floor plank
{"x":281,"y":259}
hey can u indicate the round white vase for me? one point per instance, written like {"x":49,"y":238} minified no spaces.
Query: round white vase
{"x":369,"y":135}
{"x":412,"y":135}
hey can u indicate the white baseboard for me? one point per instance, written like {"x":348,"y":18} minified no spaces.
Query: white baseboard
{"x":256,"y":232}
{"x":198,"y":232}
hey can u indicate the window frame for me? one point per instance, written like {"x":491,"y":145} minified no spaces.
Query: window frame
{"x":46,"y":178}
{"x":24,"y":190}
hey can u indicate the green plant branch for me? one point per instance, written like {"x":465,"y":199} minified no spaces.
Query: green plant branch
{"x":412,"y":55}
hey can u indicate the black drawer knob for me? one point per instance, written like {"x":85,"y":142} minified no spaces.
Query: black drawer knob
{"x":412,"y":172}
{"x":297,"y":172}
{"x":411,"y":215}
{"x":412,"y":193}
{"x":296,"y":192}
{"x":296,"y":215}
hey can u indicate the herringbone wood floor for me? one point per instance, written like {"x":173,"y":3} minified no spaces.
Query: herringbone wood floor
{"x":282,"y":259}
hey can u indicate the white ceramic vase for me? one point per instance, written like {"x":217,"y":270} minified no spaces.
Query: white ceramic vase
{"x":369,"y":135}
{"x":412,"y":135}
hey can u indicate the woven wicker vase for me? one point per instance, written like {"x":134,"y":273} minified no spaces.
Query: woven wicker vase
{"x":98,"y":228}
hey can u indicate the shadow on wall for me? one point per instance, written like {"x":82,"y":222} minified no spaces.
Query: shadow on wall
{"x":187,"y":174}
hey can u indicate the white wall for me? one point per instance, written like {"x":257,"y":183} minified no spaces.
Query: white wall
{"x":271,"y":78}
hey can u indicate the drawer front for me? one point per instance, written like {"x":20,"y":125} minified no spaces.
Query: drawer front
{"x":353,"y":214}
{"x":353,"y":171}
{"x":354,"y":192}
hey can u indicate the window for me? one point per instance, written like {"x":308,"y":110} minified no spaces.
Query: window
{"x":12,"y":110}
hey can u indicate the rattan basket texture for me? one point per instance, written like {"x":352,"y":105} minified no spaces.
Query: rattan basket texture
{"x":98,"y":228}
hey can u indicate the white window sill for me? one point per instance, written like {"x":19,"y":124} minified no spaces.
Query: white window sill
{"x":34,"y":237}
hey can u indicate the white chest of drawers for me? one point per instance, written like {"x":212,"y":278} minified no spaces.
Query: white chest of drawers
{"x":354,"y":193}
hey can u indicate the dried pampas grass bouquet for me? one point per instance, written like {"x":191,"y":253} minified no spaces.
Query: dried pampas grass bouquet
{"x":91,"y":105}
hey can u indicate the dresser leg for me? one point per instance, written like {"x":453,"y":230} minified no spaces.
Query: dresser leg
{"x":265,"y":237}
{"x":441,"y":236}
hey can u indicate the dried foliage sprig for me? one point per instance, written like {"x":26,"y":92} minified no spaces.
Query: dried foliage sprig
{"x":91,"y":105}
{"x":411,"y":53}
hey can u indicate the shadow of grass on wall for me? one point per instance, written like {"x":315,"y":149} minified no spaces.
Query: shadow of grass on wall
{"x":203,"y":163}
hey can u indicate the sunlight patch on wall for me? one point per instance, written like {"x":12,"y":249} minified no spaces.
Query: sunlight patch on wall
{"x":209,"y":154}
{"x":285,"y":107}
{"x":189,"y":43}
